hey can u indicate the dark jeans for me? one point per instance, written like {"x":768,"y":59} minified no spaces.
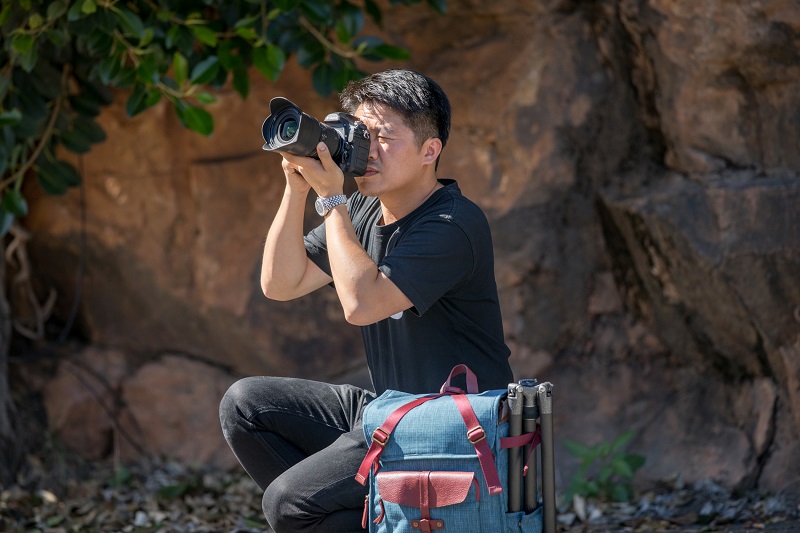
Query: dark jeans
{"x":301,"y":441}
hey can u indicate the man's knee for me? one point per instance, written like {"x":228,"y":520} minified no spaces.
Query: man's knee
{"x":230,"y":406}
{"x":281,"y":507}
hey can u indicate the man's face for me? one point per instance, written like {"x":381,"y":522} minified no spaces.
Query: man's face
{"x":395,"y":161}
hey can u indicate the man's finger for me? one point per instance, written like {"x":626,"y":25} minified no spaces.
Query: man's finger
{"x":325,"y":156}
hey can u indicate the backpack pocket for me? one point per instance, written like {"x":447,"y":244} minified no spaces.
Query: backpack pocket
{"x":427,"y":501}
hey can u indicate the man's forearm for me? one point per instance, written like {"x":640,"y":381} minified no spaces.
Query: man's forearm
{"x":284,"y":260}
{"x":366,"y":295}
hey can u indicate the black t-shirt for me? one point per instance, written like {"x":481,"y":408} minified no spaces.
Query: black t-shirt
{"x":441,"y":257}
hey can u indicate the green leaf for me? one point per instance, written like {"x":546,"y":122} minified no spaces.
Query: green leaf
{"x":205,"y":35}
{"x":5,"y":81}
{"x":349,"y":23}
{"x":88,"y":7}
{"x":246,"y":22}
{"x":241,"y":82}
{"x":3,"y":158}
{"x":621,"y":441}
{"x":58,"y":36}
{"x":15,"y":203}
{"x":22,"y":43}
{"x":621,"y":467}
{"x":137,"y":101}
{"x":206,"y":98}
{"x":389,"y":51}
{"x":5,"y":14}
{"x":6,"y":219}
{"x":147,"y":70}
{"x":56,"y":9}
{"x":286,"y":5}
{"x":107,"y":69}
{"x":76,"y":12}
{"x":374,"y":12}
{"x":10,"y":118}
{"x":621,"y":493}
{"x":53,"y":521}
{"x":635,"y":461}
{"x":84,"y":104}
{"x":318,"y":11}
{"x":269,"y":61}
{"x":90,"y":129}
{"x":205,"y":71}
{"x":99,"y":42}
{"x":131,"y":22}
{"x":322,"y":79}
{"x":248,"y":34}
{"x":310,"y":53}
{"x":438,"y":5}
{"x":51,"y":180}
{"x":170,"y":492}
{"x":35,"y":21}
{"x":180,"y":67}
{"x":75,"y":142}
{"x":195,"y":118}
{"x":576,"y":449}
{"x":229,"y":55}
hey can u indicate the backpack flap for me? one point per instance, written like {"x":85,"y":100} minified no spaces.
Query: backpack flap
{"x":425,"y":491}
{"x":428,"y":489}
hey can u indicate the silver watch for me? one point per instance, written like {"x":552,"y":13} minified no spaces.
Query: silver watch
{"x":324,"y":205}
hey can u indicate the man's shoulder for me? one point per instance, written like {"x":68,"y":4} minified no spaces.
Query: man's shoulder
{"x":458,"y":208}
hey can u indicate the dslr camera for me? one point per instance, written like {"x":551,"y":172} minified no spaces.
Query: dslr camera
{"x":288,"y":129}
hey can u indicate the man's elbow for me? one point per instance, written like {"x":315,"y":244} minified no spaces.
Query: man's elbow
{"x":273,"y":291}
{"x":360,"y":315}
{"x":355,"y":316}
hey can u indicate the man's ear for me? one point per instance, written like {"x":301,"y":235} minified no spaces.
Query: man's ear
{"x":431,"y":150}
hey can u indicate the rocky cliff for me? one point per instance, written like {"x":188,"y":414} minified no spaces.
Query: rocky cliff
{"x":639,"y":162}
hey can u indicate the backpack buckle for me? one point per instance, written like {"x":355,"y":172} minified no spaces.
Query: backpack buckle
{"x":380,"y":437}
{"x":476,"y":434}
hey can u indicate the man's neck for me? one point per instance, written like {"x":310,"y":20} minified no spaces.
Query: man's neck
{"x":396,"y":207}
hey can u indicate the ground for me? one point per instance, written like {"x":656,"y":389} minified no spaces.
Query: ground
{"x":165,"y":497}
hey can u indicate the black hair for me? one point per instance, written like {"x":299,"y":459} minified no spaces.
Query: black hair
{"x":418,"y":99}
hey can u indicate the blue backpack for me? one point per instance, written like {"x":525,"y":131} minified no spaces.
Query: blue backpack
{"x":441,"y":462}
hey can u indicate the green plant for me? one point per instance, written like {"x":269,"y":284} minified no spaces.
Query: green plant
{"x":605,"y":470}
{"x":61,"y":62}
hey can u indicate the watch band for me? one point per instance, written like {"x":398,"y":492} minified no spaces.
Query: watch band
{"x":324,"y":205}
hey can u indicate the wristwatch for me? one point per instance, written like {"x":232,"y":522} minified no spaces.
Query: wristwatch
{"x":324,"y":205}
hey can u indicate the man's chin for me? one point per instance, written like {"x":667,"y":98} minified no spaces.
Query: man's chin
{"x":364,"y":186}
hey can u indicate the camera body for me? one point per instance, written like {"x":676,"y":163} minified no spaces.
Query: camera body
{"x":288,"y":129}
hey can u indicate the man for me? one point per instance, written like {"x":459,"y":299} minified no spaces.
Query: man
{"x":412,"y":263}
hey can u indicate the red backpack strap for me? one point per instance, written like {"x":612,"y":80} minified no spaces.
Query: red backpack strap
{"x":381,"y":436}
{"x":472,"y":380}
{"x":477,"y":436}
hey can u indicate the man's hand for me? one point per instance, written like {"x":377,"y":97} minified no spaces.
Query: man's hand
{"x":323,"y":175}
{"x":294,"y":179}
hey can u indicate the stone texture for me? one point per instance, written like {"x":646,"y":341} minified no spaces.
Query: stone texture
{"x":638,"y":162}
{"x":81,"y":400}
{"x":171,"y":409}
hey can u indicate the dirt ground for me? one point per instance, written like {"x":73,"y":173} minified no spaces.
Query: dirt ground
{"x":171,"y":498}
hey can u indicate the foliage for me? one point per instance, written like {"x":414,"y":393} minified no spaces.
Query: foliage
{"x":606,"y":470}
{"x":62,"y":58}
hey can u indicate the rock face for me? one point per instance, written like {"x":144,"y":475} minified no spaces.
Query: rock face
{"x":639,"y":162}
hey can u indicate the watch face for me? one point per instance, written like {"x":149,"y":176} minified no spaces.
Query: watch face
{"x":319,"y":206}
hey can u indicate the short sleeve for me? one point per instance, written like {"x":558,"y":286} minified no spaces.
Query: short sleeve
{"x":431,"y":259}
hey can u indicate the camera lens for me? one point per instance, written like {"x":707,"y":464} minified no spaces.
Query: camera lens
{"x":287,"y":129}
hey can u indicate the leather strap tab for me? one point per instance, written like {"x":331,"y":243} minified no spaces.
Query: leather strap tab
{"x":427,"y":525}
